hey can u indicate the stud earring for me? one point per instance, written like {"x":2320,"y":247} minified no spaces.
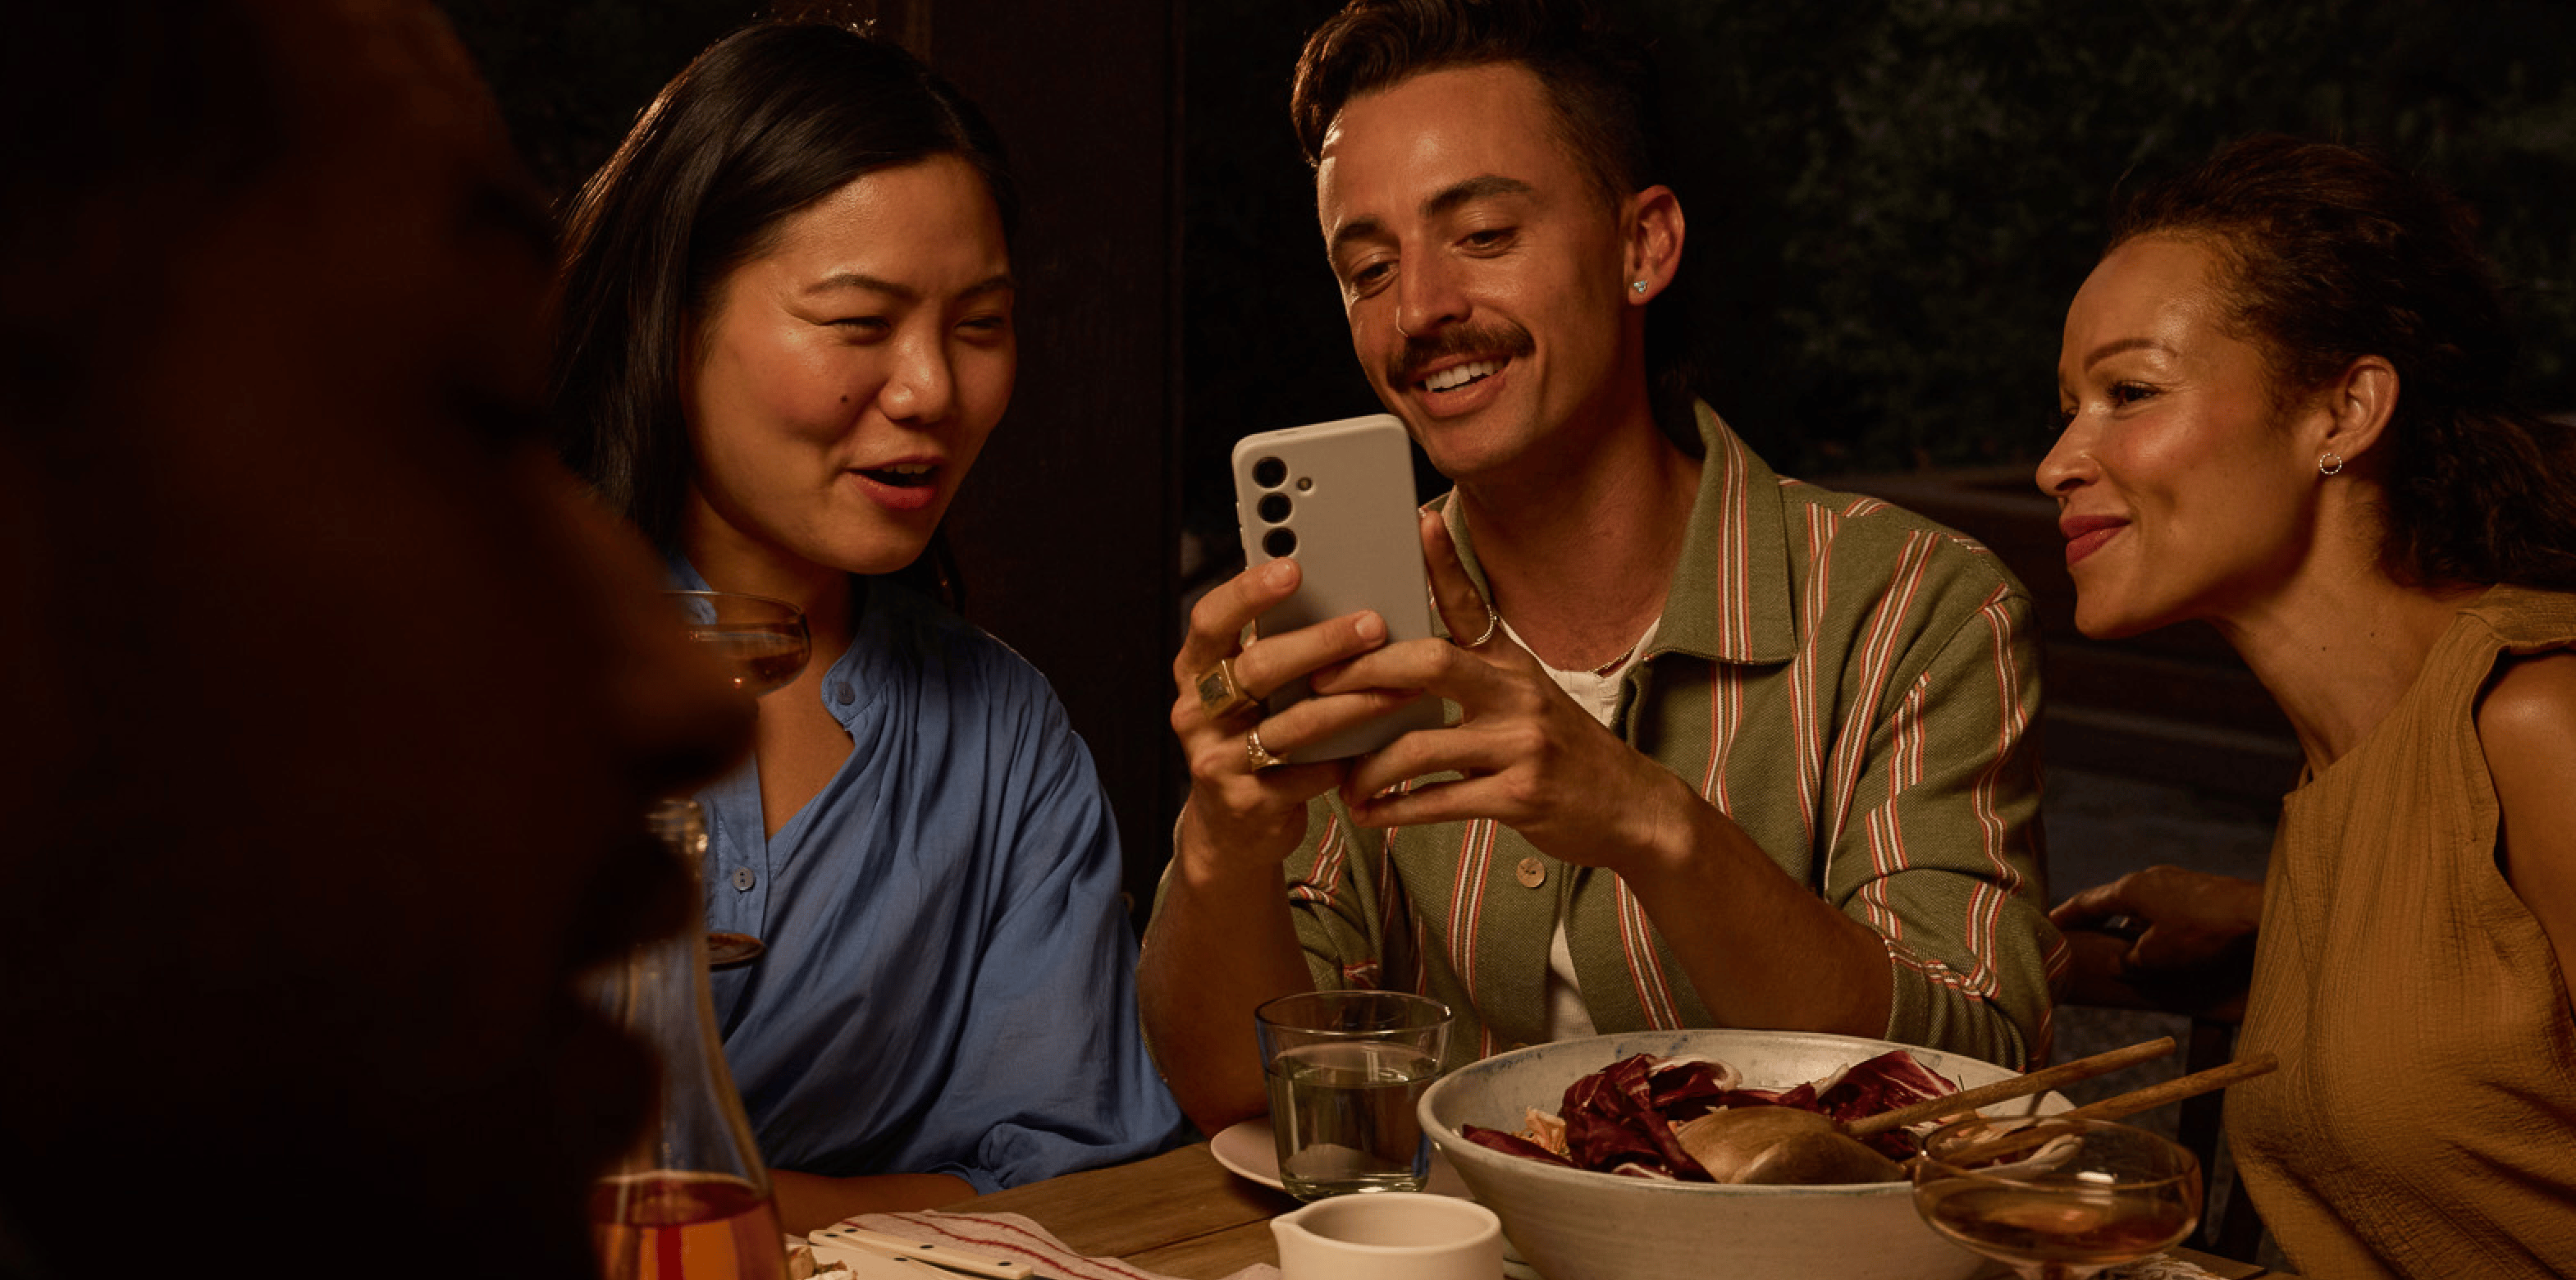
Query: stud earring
{"x":1639,"y":286}
{"x":2329,"y":463}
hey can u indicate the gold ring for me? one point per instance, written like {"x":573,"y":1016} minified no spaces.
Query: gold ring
{"x":1257,"y":753}
{"x":1493,"y":623}
{"x":1220,"y":695}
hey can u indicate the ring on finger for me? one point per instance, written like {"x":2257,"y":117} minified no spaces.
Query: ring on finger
{"x":1257,"y":753}
{"x":1493,"y":623}
{"x":1220,"y":694}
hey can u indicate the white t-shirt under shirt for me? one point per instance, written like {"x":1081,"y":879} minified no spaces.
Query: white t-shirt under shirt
{"x":1598,"y":693}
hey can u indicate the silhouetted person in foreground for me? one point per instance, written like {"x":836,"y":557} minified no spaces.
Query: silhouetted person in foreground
{"x":332,"y":710}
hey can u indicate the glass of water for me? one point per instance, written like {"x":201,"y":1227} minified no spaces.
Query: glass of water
{"x":1345,"y":1069}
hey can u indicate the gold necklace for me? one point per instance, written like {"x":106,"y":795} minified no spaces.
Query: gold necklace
{"x":1622,"y":660}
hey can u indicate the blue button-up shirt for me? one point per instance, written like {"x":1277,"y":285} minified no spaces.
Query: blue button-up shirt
{"x":948,"y":985}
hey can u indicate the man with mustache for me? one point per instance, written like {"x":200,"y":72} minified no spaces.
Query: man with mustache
{"x":1726,"y":750}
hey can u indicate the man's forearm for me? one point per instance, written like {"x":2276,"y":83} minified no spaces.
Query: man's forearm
{"x":1221,"y":943}
{"x":1761,"y":949}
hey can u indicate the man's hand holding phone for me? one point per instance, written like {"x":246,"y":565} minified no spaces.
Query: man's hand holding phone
{"x":1529,"y":756}
{"x":1337,"y":497}
{"x":1328,"y":523}
{"x":1252,"y":813}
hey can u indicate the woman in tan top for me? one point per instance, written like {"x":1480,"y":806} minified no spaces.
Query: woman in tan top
{"x":2281,"y":389}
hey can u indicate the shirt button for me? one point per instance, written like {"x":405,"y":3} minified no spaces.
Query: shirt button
{"x":742,"y":878}
{"x":844,"y":694}
{"x":1532,"y":873}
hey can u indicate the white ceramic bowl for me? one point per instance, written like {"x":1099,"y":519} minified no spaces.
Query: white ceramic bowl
{"x":1573,"y":1224}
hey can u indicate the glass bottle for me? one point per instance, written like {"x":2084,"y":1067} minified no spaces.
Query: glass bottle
{"x":691,"y":1200}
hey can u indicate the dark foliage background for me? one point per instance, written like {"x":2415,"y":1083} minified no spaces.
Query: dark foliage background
{"x":1890,"y":201}
{"x":1932,"y":179}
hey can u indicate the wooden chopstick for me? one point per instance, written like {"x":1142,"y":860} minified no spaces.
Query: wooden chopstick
{"x":2190,"y":1086}
{"x":2118,"y":1106}
{"x":2022,"y":1086}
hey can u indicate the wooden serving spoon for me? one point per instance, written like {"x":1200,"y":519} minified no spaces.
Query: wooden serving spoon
{"x":1788,"y":1146}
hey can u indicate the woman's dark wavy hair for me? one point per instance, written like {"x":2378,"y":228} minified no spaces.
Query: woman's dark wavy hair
{"x":2331,"y":254}
{"x":762,"y":124}
{"x":1601,"y":81}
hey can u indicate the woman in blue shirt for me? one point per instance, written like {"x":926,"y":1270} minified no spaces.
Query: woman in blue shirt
{"x":786,"y":332}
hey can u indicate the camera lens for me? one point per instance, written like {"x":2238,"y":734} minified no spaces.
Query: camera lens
{"x":1274,"y":508}
{"x":1268,"y":472}
{"x":1279,"y":543}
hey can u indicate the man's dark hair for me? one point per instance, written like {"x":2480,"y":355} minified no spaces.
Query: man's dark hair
{"x":2328,"y":254}
{"x":762,"y":124}
{"x":1601,"y":82}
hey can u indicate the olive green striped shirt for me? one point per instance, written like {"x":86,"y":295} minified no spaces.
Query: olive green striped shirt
{"x":1856,"y":688}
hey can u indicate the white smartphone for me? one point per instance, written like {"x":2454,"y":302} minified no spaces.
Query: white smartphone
{"x":1337,"y":497}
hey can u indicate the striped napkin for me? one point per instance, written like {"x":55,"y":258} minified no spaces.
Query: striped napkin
{"x":1012,"y":1237}
{"x":1015,"y":1238}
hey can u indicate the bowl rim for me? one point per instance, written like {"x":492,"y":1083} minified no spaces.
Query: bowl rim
{"x":1470,"y":1158}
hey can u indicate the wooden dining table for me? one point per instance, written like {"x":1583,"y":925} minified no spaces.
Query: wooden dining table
{"x":1183,"y":1214}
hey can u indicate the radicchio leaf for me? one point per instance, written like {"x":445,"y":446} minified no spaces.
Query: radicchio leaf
{"x":1687,"y":1088}
{"x":1610,"y":1120}
{"x":1511,"y":1144}
{"x":1884,"y":1083}
{"x":1620,"y":1119}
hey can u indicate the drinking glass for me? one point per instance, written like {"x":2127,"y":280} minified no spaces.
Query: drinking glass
{"x":762,"y":642}
{"x":764,"y":645}
{"x":1345,"y":1069}
{"x":2053,"y":1198}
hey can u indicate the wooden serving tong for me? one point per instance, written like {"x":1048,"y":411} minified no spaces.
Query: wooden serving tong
{"x":1792,"y":1146}
{"x":2119,"y":1106}
{"x":2021,"y":1086}
{"x":1787,"y":1145}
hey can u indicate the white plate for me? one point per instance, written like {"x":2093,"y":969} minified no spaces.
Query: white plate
{"x":1251,"y":1151}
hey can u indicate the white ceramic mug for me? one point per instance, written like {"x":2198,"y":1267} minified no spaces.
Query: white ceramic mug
{"x":1390,"y":1235}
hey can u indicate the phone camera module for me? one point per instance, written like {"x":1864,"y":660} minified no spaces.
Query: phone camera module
{"x":1274,"y":508}
{"x":1268,"y":472}
{"x":1279,"y":543}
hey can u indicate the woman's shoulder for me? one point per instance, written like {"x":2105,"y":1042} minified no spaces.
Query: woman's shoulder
{"x":2528,"y":695}
{"x":2530,"y":709}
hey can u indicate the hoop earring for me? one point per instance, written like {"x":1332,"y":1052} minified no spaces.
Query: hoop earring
{"x":2334,"y":468}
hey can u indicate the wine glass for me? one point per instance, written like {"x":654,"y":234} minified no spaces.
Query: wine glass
{"x":2054,"y":1198}
{"x":762,"y":642}
{"x":764,"y":645}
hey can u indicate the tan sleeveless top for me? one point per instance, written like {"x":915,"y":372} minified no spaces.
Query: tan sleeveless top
{"x":2423,"y":1121}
